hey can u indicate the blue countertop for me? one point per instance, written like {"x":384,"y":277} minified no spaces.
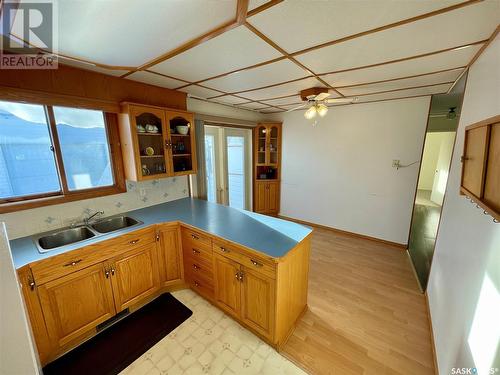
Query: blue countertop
{"x":271,"y":236}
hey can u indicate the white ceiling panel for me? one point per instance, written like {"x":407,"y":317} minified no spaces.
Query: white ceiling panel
{"x":253,"y":105}
{"x":155,"y":79}
{"x":81,"y":65}
{"x":230,"y":99}
{"x":269,"y":74}
{"x":282,"y":90}
{"x":295,"y":25}
{"x":200,"y":92}
{"x":131,"y":32}
{"x":235,"y":49}
{"x":445,"y":60}
{"x":284,"y":101}
{"x":429,"y":79}
{"x":252,"y":4}
{"x":430,"y":34}
{"x":431,"y":90}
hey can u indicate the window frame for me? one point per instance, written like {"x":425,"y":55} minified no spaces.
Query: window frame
{"x":65,"y":195}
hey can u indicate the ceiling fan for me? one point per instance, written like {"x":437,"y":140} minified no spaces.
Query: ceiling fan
{"x":317,"y":99}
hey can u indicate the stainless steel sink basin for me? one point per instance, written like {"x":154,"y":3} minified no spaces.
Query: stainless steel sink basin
{"x":63,"y":237}
{"x":114,"y":223}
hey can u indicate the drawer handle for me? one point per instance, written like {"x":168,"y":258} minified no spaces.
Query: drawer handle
{"x":106,"y":273}
{"x":196,"y":251}
{"x":196,"y":283}
{"x":256,"y":264}
{"x":72,"y":263}
{"x":224,"y":250}
{"x":196,"y":267}
{"x":133,"y":242}
{"x":195,"y":237}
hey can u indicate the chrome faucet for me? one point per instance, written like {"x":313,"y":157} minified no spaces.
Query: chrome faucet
{"x":87,"y":219}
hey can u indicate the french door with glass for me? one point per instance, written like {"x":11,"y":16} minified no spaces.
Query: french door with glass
{"x":228,"y":166}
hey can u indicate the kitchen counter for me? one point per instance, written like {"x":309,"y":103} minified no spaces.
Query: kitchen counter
{"x":271,"y":236}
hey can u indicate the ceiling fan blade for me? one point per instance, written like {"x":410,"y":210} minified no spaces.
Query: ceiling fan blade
{"x":322,"y":96}
{"x":341,"y":100}
{"x":298,"y":107}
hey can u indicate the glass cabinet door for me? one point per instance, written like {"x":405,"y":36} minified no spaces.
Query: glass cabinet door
{"x":150,"y":130}
{"x":182,"y":142}
{"x":273,"y":144}
{"x":261,"y":143}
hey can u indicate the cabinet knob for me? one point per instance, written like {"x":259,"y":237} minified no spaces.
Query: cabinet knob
{"x":195,"y":237}
{"x":196,"y":267}
{"x":256,"y":264}
{"x":196,"y":283}
{"x":106,"y":273}
{"x":133,"y":242}
{"x":31,"y":283}
{"x":224,"y":250}
{"x":196,"y":251}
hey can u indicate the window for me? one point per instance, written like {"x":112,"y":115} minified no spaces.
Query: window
{"x":53,"y":152}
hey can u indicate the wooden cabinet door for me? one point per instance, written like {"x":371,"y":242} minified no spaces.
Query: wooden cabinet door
{"x":273,"y":197}
{"x":75,"y":304}
{"x":261,"y":196}
{"x":134,"y":275}
{"x":492,"y":182}
{"x":273,"y":144}
{"x":260,"y":144}
{"x":169,"y":254}
{"x":227,"y":285}
{"x":474,"y":161}
{"x":258,"y":300}
{"x":182,"y":147}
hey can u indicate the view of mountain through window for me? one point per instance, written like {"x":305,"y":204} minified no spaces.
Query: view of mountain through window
{"x":84,"y":147}
{"x":27,"y":164}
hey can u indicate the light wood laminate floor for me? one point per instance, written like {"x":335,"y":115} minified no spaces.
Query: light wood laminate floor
{"x":366,"y":314}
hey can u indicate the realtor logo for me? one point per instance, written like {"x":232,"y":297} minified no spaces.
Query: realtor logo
{"x":28,"y":35}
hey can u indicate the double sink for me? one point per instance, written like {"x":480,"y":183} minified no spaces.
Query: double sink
{"x":55,"y":239}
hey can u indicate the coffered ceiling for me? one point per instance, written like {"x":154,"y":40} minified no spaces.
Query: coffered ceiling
{"x":258,"y":54}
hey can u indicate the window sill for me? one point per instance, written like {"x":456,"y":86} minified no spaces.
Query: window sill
{"x":58,"y":199}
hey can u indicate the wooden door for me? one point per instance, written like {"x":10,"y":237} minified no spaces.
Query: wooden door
{"x":492,"y":182}
{"x":474,"y":160}
{"x":75,"y":304}
{"x":134,"y":275}
{"x":227,"y":284}
{"x":261,"y":196}
{"x":182,"y":146}
{"x":158,"y":164}
{"x":258,"y":301}
{"x":273,"y":197}
{"x":170,"y":254}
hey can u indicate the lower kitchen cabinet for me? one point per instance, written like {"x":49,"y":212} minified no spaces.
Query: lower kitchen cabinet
{"x":169,"y":254}
{"x":267,"y":197}
{"x":75,"y":304}
{"x":227,"y":285}
{"x":134,"y":275}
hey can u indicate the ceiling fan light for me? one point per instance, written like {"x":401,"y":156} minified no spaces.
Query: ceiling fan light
{"x":322,"y":110}
{"x":310,"y":113}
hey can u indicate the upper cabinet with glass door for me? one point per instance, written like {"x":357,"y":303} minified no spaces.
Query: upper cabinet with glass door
{"x":152,"y":140}
{"x":267,"y":151}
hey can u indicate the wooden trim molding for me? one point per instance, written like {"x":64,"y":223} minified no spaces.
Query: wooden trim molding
{"x":431,"y":329}
{"x":395,"y":245}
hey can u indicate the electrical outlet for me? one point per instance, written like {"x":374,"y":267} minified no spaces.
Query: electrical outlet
{"x":396,"y":163}
{"x":142,"y":192}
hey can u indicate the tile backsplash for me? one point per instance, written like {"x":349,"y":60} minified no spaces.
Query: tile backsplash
{"x":138,"y":195}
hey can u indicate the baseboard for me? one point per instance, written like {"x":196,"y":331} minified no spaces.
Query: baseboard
{"x":434,"y":356}
{"x":397,"y":245}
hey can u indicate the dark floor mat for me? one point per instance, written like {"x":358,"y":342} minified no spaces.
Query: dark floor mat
{"x":118,"y":346}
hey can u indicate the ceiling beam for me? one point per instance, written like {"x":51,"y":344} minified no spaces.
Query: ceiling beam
{"x":241,"y":11}
{"x":476,"y":56}
{"x":266,"y":39}
{"x":263,"y":7}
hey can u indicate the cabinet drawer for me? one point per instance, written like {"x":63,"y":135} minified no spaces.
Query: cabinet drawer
{"x":193,"y":249}
{"x":196,"y":239}
{"x":200,"y":265}
{"x":63,"y":264}
{"x":204,"y":288}
{"x":247,"y":260}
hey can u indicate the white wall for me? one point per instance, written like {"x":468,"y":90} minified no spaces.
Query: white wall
{"x":17,"y":355}
{"x":464,"y":284}
{"x":27,"y":222}
{"x":339,"y":173}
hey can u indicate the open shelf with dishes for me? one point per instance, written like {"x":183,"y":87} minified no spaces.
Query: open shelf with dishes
{"x":156,"y":142}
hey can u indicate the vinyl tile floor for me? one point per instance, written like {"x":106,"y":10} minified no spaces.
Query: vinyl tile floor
{"x":210,"y":342}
